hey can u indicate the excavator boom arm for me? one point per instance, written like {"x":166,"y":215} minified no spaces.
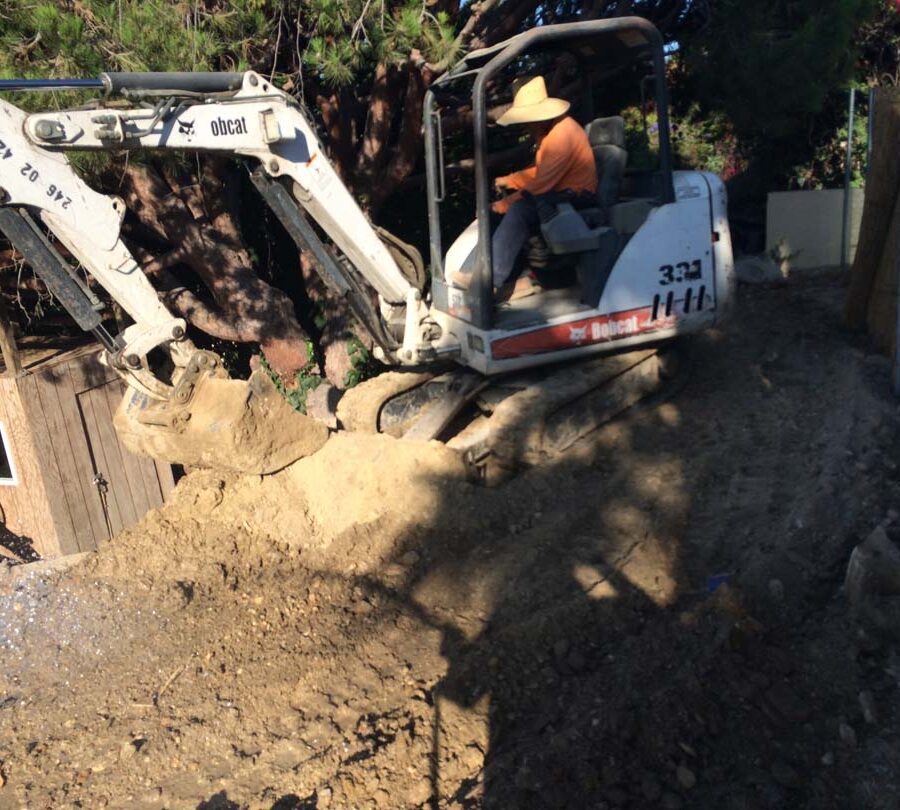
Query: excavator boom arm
{"x":191,"y":413}
{"x":256,"y":121}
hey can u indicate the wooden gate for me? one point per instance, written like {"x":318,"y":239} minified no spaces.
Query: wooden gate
{"x":127,"y":486}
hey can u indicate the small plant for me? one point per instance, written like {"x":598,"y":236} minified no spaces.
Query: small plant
{"x":306,"y":380}
{"x":362,"y":364}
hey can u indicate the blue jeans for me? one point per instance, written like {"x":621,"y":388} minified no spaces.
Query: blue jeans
{"x":520,"y":221}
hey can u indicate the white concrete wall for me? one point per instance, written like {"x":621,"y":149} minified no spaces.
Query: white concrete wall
{"x":808,"y":223}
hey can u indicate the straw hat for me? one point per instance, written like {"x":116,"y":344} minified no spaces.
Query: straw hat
{"x":531,"y":103}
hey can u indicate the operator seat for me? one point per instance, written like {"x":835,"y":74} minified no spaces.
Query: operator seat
{"x":607,"y":139}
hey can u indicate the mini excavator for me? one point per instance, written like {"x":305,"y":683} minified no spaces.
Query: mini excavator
{"x":507,"y":384}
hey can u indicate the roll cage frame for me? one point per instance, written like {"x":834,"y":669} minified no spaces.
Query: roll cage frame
{"x":484,"y":64}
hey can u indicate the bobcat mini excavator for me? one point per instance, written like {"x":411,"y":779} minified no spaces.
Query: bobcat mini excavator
{"x":509,"y":383}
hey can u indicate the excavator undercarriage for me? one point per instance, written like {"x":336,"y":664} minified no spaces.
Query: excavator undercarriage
{"x":503,"y":425}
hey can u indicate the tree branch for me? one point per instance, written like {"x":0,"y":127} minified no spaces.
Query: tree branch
{"x":462,"y":41}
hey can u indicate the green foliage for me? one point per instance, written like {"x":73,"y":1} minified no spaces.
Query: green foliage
{"x":826,"y":166}
{"x":707,"y":143}
{"x":769,"y":65}
{"x":779,"y":74}
{"x":362,"y":364}
{"x":699,"y":142}
{"x":641,"y":138}
{"x":349,"y":38}
{"x":54,"y":39}
{"x":307,"y":380}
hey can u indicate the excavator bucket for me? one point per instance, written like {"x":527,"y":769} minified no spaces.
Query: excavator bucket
{"x":245,"y":426}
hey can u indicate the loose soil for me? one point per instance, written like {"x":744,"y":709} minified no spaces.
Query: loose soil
{"x":654,"y":621}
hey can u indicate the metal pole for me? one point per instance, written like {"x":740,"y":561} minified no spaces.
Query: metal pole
{"x":50,"y":84}
{"x":848,"y":173}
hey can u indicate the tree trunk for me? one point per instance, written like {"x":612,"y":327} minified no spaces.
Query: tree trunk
{"x":872,"y":295}
{"x":198,"y":219}
{"x":339,"y":325}
{"x":881,"y":312}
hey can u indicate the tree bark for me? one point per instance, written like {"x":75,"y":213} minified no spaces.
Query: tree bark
{"x":409,"y":141}
{"x":198,"y":220}
{"x":879,"y":212}
{"x":373,"y":148}
{"x":881,"y":313}
{"x":339,"y":325}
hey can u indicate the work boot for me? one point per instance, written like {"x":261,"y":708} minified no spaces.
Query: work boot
{"x":522,"y":287}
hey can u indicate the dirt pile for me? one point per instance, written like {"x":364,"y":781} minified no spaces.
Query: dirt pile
{"x":367,"y":629}
{"x":349,"y":509}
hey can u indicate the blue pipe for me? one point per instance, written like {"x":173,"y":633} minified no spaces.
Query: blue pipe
{"x":50,"y":84}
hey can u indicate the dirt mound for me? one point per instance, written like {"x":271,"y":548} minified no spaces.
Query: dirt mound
{"x":348,"y":509}
{"x":367,"y":629}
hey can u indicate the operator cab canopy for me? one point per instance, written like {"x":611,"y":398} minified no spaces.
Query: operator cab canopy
{"x":603,"y":67}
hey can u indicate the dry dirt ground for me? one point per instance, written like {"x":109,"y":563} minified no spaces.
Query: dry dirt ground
{"x":366,"y":629}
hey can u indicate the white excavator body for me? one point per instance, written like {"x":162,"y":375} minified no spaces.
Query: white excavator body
{"x":651,"y":266}
{"x":658,"y":288}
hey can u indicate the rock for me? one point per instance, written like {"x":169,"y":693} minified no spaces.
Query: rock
{"x":686,"y":777}
{"x":323,"y":797}
{"x":758,"y":270}
{"x":410,"y":558}
{"x":874,"y":569}
{"x":847,"y":735}
{"x":785,"y":775}
{"x":867,"y":704}
{"x":321,"y":403}
{"x":126,"y":751}
{"x":473,"y":758}
{"x":362,"y":608}
{"x":828,"y":759}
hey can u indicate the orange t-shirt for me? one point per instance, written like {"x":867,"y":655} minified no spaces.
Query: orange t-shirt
{"x":564,"y":162}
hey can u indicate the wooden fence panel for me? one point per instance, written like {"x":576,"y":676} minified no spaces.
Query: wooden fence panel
{"x":106,"y":467}
{"x":67,"y":434}
{"x":134,"y":485}
{"x":59,"y":419}
{"x":140,"y":472}
{"x":51,"y":469}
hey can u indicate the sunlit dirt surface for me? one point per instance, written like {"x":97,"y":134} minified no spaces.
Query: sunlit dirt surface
{"x":366,"y":629}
